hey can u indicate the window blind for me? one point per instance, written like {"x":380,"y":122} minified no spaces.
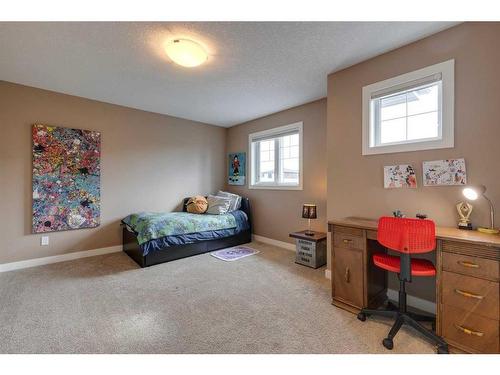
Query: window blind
{"x":408,"y":86}
{"x":270,"y":136}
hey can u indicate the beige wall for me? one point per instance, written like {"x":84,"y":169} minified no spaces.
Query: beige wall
{"x":355,"y":182}
{"x":276,"y":213}
{"x":149,"y":162}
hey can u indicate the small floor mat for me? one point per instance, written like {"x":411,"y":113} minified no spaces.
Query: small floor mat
{"x":234,"y":253}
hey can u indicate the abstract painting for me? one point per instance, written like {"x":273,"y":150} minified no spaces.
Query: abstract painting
{"x":236,"y":175}
{"x":66,"y":178}
{"x":444,"y":172}
{"x":399,"y":176}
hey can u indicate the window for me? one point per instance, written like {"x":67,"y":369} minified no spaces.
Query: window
{"x":410,"y":112}
{"x":276,"y":158}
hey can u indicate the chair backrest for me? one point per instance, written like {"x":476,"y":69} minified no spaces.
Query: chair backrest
{"x":407,"y":235}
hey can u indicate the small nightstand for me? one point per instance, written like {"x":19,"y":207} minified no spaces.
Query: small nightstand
{"x":311,"y":250}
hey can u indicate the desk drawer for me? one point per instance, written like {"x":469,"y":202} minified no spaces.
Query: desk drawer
{"x":473,"y":266}
{"x":348,"y":241}
{"x":470,"y":330}
{"x":474,"y":295}
{"x":348,"y":230}
{"x":475,"y":250}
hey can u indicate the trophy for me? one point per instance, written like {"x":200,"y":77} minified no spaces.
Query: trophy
{"x":464,"y":210}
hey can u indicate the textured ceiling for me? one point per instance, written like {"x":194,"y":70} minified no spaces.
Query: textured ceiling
{"x":254,"y":68}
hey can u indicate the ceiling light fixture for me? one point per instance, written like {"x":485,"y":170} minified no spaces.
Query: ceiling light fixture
{"x":186,"y":52}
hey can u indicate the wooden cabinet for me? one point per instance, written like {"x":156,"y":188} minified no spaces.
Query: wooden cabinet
{"x":354,"y":283}
{"x":348,"y":276}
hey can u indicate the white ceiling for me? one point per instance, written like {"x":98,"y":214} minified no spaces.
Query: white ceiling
{"x":254,"y":68}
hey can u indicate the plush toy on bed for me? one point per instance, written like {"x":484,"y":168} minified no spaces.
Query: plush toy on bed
{"x":197,"y":205}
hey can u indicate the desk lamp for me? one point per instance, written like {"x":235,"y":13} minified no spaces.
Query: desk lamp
{"x":309,"y":212}
{"x":474,"y":192}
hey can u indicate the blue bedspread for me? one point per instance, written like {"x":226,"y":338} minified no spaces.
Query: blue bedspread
{"x":159,"y":231}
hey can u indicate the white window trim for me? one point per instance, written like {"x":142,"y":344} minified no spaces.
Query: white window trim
{"x":447,"y":71}
{"x":269,"y":133}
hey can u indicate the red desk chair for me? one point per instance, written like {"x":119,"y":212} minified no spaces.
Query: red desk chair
{"x":406,"y":236}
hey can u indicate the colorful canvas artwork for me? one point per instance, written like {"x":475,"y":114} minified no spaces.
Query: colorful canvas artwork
{"x":399,"y":176}
{"x":66,"y":178}
{"x":237,"y":170}
{"x":444,"y":172}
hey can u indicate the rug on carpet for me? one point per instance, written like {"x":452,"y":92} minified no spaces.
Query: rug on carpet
{"x":234,"y":253}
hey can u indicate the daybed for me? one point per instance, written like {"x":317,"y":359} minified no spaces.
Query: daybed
{"x":172,"y":247}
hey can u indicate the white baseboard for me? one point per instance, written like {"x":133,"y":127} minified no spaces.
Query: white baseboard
{"x":58,"y":258}
{"x":418,"y":303}
{"x":328,"y":274}
{"x":270,"y":241}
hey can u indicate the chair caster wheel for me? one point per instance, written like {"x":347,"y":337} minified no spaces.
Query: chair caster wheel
{"x":388,"y":344}
{"x":443,"y":349}
{"x":362,"y":316}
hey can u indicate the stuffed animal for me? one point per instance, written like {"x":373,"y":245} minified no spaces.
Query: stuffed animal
{"x":197,"y":205}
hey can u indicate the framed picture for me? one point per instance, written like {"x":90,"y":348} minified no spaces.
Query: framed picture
{"x":66,"y":178}
{"x":399,"y":176}
{"x":237,"y":168}
{"x":444,"y":172}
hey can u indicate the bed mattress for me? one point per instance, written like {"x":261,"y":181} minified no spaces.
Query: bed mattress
{"x":158,"y":231}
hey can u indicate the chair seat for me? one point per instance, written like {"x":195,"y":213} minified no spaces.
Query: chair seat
{"x":419,"y":267}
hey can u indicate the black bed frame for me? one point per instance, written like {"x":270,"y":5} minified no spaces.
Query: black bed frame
{"x":133,"y":249}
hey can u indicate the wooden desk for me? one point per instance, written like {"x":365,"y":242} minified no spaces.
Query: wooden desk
{"x":467,"y":280}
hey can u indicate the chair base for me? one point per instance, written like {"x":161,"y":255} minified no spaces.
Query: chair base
{"x":408,"y":318}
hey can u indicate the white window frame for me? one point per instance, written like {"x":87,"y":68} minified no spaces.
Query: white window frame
{"x":275,"y":132}
{"x":446,"y":70}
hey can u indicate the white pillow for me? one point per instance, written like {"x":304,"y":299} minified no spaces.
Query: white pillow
{"x":218,"y":205}
{"x":235,"y":199}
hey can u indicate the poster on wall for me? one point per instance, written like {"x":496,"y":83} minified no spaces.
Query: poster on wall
{"x":399,"y":176}
{"x":237,"y":168}
{"x":444,"y":172}
{"x":66,"y":178}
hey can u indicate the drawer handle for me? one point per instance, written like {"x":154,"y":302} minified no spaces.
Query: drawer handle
{"x":345,"y":240}
{"x":347,"y":274}
{"x":468,"y":294}
{"x":469,"y":331}
{"x":468,"y":264}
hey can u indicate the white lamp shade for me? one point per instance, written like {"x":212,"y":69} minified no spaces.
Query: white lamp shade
{"x":470,"y":193}
{"x":473,"y":192}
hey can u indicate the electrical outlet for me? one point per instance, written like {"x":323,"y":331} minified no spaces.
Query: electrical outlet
{"x":44,"y":241}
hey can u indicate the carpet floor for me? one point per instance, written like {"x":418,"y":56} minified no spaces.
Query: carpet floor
{"x":260,"y":304}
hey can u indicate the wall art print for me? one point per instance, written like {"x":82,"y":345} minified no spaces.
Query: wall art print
{"x":399,"y":176}
{"x":66,"y":178}
{"x":237,"y":168}
{"x":444,"y":172}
